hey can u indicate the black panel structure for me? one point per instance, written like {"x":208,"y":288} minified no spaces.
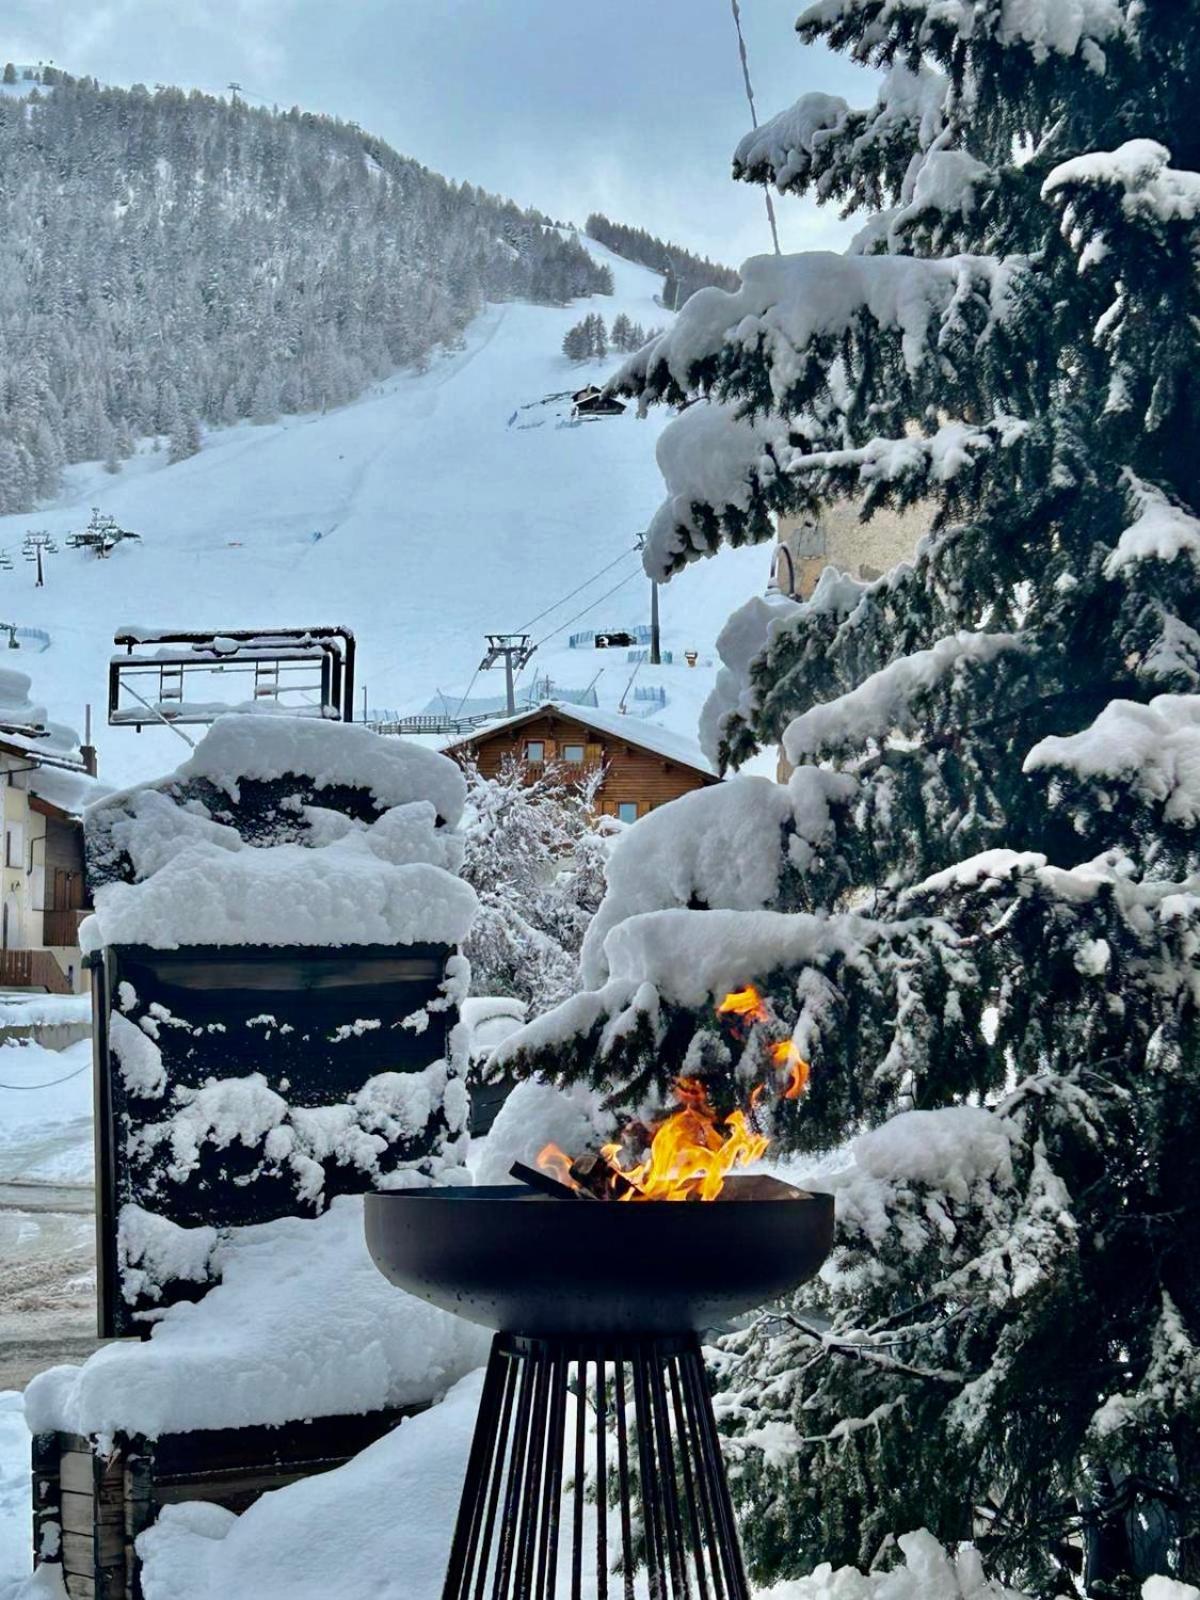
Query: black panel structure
{"x":236,"y":1084}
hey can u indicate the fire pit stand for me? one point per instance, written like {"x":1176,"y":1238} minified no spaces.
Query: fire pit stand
{"x":599,"y":1307}
{"x":666,"y":1461}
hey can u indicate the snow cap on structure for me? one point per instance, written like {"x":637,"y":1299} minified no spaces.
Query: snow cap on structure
{"x":172,"y":867}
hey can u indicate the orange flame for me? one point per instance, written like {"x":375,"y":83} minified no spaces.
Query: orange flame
{"x":785,"y":1054}
{"x":693,"y":1150}
{"x":557,"y":1163}
{"x":745,"y":1003}
{"x":689,"y":1155}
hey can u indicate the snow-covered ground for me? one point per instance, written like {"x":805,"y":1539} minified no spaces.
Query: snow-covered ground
{"x":444,"y":510}
{"x":47,"y":1235}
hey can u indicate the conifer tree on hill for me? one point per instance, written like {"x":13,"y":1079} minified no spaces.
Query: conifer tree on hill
{"x":975,"y":907}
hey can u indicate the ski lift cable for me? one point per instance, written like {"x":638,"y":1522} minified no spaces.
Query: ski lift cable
{"x":591,"y":606}
{"x":466,"y":694}
{"x":525,"y":627}
{"x":737,"y":22}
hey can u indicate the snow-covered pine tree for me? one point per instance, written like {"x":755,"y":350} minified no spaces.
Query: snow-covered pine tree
{"x":576,"y":345}
{"x":621,"y":333}
{"x":535,"y":857}
{"x":975,"y":906}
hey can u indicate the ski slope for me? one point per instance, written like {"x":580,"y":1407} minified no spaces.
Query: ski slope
{"x":440,"y":517}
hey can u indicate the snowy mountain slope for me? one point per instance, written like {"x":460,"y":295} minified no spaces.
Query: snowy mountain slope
{"x":438,"y":521}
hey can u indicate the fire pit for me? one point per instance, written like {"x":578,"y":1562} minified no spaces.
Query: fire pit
{"x":618,"y":1293}
{"x":598,"y":1275}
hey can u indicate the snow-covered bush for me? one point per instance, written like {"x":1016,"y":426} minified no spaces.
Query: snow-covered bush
{"x":992,"y":921}
{"x":534,"y":855}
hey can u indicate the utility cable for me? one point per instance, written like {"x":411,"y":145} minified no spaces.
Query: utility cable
{"x":737,"y":22}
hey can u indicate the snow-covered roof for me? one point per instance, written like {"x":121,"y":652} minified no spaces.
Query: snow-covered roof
{"x":630,"y":730}
{"x":69,"y":792}
{"x":25,"y":728}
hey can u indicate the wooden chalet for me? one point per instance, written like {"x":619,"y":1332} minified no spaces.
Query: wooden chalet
{"x":593,"y":402}
{"x":644,"y":765}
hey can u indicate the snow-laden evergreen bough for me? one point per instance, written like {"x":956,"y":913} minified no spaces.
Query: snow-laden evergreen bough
{"x":976,"y":902}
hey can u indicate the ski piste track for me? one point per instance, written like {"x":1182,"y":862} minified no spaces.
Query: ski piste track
{"x":438,"y":523}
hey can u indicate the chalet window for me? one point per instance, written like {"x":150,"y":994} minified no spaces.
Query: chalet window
{"x":627,"y":811}
{"x":535,"y":751}
{"x":573,"y":754}
{"x":14,"y":845}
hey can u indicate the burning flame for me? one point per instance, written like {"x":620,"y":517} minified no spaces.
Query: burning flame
{"x":693,"y":1150}
{"x":557,"y":1163}
{"x":785,"y":1054}
{"x":689,"y":1154}
{"x":746,"y":1004}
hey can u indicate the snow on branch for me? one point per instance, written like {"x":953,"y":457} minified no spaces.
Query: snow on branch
{"x":882,"y":703}
{"x":788,"y":306}
{"x":1160,"y":530}
{"x":1044,"y":27}
{"x":1140,"y":172}
{"x":820,"y":142}
{"x":723,"y":848}
{"x":1154,"y":749}
{"x":725,"y":472}
{"x":713,"y":462}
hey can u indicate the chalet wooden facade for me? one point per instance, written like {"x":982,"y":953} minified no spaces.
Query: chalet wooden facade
{"x":644,"y":765}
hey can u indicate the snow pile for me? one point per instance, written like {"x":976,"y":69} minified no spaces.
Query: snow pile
{"x":392,"y":771}
{"x":928,"y":1573}
{"x":488,"y":1019}
{"x":376,"y":1529}
{"x":536,"y":1114}
{"x":16,"y":1517}
{"x":722,"y":848}
{"x":175,"y":863}
{"x":302,"y":1324}
{"x":27,"y":724}
{"x":1153,"y":748}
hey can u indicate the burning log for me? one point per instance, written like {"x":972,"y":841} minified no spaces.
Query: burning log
{"x":545,"y":1184}
{"x":596,"y":1177}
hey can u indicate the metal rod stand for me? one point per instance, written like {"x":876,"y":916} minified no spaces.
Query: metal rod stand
{"x":647,"y":1493}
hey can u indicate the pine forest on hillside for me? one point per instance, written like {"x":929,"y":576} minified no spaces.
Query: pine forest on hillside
{"x":171,"y":259}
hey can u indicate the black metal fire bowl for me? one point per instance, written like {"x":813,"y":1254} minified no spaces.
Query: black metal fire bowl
{"x":526,"y":1263}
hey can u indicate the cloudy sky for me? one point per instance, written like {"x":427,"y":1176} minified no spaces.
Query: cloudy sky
{"x":631,"y":107}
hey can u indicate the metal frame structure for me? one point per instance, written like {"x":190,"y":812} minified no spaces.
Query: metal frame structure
{"x":666,"y":1472}
{"x":165,"y":659}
